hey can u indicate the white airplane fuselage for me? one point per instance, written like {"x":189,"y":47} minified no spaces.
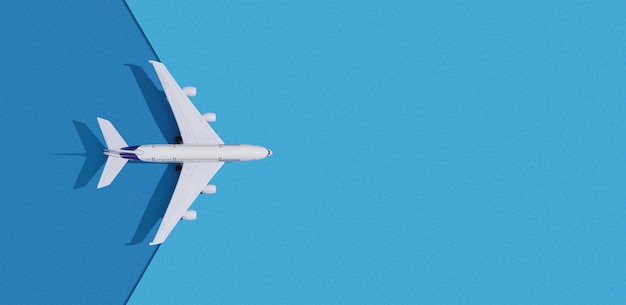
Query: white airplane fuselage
{"x":179,"y":153}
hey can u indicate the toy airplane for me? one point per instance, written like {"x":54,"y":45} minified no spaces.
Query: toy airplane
{"x":201,"y":154}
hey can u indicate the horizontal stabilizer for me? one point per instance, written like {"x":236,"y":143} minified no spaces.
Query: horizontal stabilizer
{"x":112,"y":167}
{"x":111,"y":136}
{"x":114,"y":164}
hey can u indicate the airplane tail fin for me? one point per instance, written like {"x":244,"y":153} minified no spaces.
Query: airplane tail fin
{"x":114,"y":164}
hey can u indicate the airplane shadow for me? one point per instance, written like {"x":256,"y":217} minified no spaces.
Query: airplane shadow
{"x":157,"y":103}
{"x":94,"y":158}
{"x":162,"y":114}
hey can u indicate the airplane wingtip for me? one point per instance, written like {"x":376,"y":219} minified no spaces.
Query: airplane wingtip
{"x":102,"y":183}
{"x":102,"y":120}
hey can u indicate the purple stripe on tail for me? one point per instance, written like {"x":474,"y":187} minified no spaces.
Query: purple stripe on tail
{"x":130,"y":156}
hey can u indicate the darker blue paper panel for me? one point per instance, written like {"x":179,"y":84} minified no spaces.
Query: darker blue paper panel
{"x":62,"y":65}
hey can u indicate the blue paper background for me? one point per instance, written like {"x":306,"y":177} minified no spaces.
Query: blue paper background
{"x":445,"y":153}
{"x":424,"y":153}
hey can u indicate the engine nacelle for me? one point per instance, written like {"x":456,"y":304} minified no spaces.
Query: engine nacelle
{"x":209,"y":189}
{"x":210,"y":117}
{"x":190,"y":215}
{"x":190,"y":91}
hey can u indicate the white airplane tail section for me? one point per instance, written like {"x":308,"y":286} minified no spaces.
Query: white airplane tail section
{"x":111,"y":136}
{"x":114,"y":164}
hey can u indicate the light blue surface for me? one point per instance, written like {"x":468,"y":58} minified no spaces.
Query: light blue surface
{"x":449,"y":153}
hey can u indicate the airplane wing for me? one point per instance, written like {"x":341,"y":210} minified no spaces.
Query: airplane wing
{"x":193,"y":178}
{"x":194,"y":129}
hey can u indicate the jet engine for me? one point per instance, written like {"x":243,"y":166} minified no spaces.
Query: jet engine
{"x":210,"y":117}
{"x":190,"y":215}
{"x":209,"y":189}
{"x":190,"y":91}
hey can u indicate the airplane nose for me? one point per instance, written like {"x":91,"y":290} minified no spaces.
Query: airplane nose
{"x":269,"y":152}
